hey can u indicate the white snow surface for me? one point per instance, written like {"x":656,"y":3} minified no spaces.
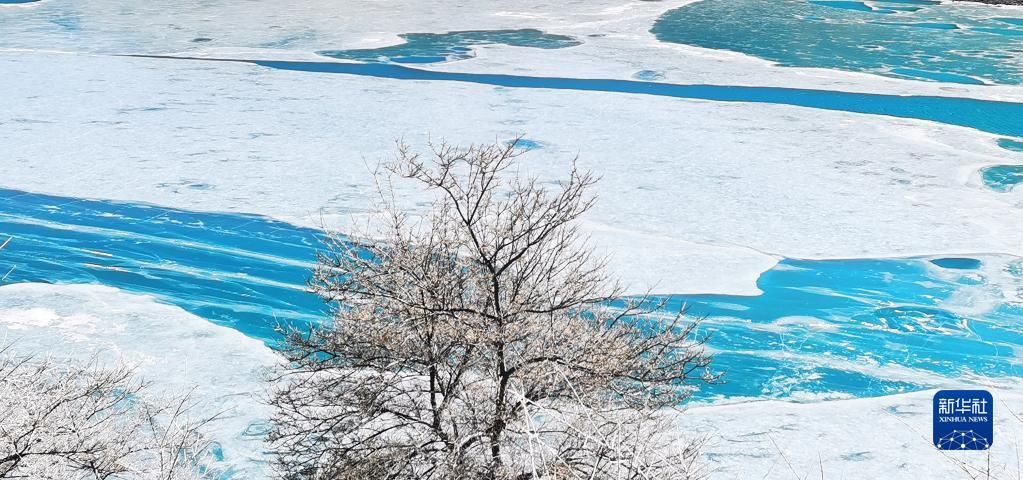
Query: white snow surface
{"x":883,"y":437}
{"x":173,"y":350}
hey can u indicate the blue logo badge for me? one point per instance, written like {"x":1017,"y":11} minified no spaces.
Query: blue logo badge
{"x":963,"y":420}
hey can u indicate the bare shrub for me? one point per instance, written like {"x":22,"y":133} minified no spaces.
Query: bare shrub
{"x":67,"y":421}
{"x":484,"y":340}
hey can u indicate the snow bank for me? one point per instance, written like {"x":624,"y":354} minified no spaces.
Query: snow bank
{"x":170,"y":348}
{"x":884,"y":437}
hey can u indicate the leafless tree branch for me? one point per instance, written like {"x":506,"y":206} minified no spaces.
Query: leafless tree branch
{"x":484,"y":341}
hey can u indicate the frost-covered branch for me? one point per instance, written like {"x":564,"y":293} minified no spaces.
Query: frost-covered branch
{"x":484,"y":341}
{"x":69,"y":421}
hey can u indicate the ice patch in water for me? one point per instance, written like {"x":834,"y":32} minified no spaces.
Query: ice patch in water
{"x":999,"y":31}
{"x":914,"y":319}
{"x":1011,"y":21}
{"x":857,"y":6}
{"x":450,"y":46}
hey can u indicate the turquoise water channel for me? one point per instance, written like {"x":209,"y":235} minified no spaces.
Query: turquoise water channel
{"x":827,"y":328}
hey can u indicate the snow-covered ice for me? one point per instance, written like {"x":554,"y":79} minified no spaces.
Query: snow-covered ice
{"x":736,"y":186}
{"x":745,"y":184}
{"x":883,"y":437}
{"x":173,"y":350}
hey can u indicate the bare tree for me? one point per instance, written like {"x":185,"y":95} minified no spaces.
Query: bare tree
{"x":483,"y":340}
{"x":67,"y":421}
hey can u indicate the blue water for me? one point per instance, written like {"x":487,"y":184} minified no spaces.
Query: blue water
{"x":1002,"y":178}
{"x":957,"y":263}
{"x":946,"y":42}
{"x":442,"y":47}
{"x":848,"y":325}
{"x":525,"y":143}
{"x":832,"y":327}
{"x":990,"y":116}
{"x":246,"y":272}
{"x":1010,"y":144}
{"x":1011,"y":32}
{"x":12,"y":2}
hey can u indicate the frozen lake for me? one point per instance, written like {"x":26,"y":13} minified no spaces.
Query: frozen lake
{"x":839,"y":201}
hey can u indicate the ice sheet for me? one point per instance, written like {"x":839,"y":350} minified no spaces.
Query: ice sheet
{"x":744,"y":183}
